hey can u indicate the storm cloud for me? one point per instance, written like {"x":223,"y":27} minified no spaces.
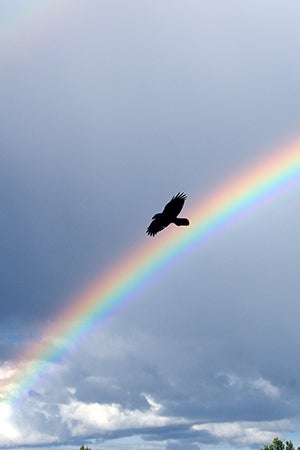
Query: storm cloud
{"x":109,"y":108}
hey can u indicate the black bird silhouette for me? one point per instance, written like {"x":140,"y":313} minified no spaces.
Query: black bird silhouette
{"x":169,"y":215}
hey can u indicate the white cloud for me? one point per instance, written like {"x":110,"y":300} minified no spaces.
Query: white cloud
{"x":244,"y":434}
{"x":11,"y":433}
{"x":8,"y":432}
{"x":7,"y":373}
{"x":154,"y":405}
{"x":83,"y":418}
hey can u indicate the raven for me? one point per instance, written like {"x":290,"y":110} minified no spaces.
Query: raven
{"x":169,"y":215}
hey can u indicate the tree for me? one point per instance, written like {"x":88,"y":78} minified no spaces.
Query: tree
{"x":289,"y":445}
{"x":87,"y":448}
{"x":277,"y":444}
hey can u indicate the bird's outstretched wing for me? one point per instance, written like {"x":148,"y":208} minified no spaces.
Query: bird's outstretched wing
{"x":175,"y":205}
{"x":155,"y":226}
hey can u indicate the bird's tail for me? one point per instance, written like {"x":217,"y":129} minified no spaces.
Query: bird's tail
{"x":179,"y":221}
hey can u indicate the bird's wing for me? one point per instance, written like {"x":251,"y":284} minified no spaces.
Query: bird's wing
{"x":154,"y":227}
{"x":175,"y":205}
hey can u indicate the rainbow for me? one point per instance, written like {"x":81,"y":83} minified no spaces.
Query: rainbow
{"x":124,"y":281}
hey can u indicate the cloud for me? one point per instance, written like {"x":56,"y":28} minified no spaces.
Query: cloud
{"x":12,"y":434}
{"x":138,"y":385}
{"x":259,"y":384}
{"x":243,"y":434}
{"x":115,"y":108}
{"x":266,"y":387}
{"x":83,"y":419}
{"x":7,"y":373}
{"x":182,"y":445}
{"x":77,"y":420}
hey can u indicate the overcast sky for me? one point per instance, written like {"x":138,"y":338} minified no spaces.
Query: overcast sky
{"x":108,"y":109}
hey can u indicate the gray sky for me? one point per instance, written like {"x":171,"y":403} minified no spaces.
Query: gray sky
{"x":109,"y":108}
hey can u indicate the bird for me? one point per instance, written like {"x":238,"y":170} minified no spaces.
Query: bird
{"x":168,"y":215}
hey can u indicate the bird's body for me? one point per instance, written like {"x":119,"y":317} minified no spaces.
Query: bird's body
{"x":168,"y":215}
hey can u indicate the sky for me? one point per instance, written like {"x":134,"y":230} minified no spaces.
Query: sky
{"x":109,"y":108}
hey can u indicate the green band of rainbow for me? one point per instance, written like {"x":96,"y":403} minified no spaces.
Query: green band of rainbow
{"x":122,"y":282}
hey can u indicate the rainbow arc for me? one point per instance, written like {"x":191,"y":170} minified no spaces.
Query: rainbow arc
{"x":122,"y":282}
